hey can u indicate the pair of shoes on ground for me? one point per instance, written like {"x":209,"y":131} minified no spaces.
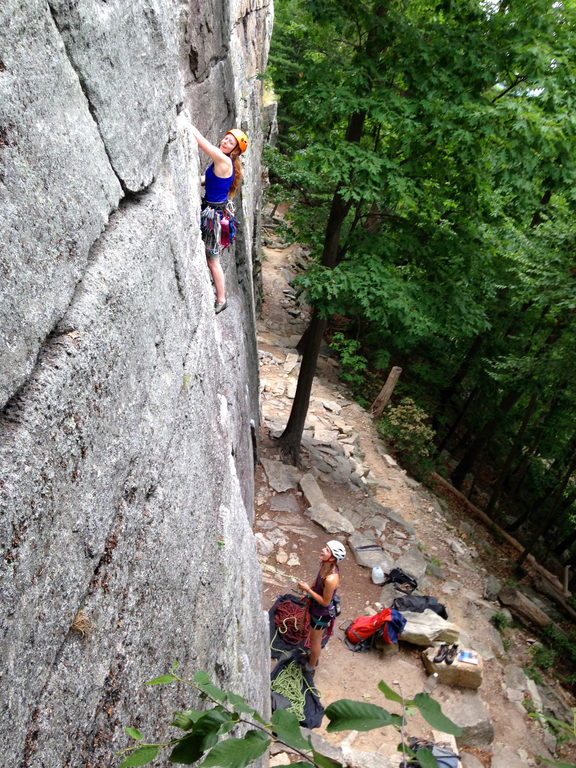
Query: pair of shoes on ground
{"x":219,"y":307}
{"x":446,"y":653}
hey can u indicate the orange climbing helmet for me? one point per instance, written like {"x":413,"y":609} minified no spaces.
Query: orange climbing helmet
{"x":240,"y":137}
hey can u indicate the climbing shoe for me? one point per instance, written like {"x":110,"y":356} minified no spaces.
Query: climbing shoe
{"x":219,"y":307}
{"x":441,"y":655}
{"x":451,"y":655}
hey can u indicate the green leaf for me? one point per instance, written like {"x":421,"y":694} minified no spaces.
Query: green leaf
{"x":389,"y":693}
{"x":202,"y":680}
{"x":240,"y":704}
{"x":301,"y":764}
{"x":204,"y":735}
{"x":431,"y":712}
{"x":140,"y":756}
{"x":134,"y":733}
{"x":182,"y":721}
{"x":287,"y":728}
{"x":238,"y":753}
{"x":325,"y":762}
{"x":426,"y":759}
{"x":347,"y":715}
{"x":162,"y":680}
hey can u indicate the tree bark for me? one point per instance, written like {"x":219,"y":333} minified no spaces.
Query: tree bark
{"x":512,"y":453}
{"x":386,"y":392}
{"x":291,"y":438}
{"x":477,"y":445}
{"x":547,"y":522}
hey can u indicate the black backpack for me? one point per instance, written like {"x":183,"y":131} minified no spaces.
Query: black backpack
{"x":402,"y":581}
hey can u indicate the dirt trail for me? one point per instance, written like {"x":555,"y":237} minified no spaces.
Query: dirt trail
{"x":458,"y":552}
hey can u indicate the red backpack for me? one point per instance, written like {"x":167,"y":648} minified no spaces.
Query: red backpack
{"x":361,"y":633}
{"x":365,"y":626}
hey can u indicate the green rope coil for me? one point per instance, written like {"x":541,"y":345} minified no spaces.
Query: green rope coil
{"x":289,"y":683}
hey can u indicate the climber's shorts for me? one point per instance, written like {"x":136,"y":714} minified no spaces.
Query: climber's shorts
{"x":319,"y":622}
{"x":210,"y":228}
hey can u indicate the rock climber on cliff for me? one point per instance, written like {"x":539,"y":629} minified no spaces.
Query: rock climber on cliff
{"x":322,"y":593}
{"x":222,"y":180}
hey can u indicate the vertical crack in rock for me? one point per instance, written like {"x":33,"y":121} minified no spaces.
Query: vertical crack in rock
{"x":85,"y":91}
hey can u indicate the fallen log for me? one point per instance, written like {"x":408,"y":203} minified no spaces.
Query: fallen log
{"x":524,"y":608}
{"x":549,"y":583}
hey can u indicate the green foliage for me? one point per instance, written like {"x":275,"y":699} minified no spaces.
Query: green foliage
{"x":353,"y":365}
{"x":406,"y":426}
{"x":208,"y":732}
{"x":455,"y":253}
{"x":543,"y":657}
{"x":534,"y":674}
{"x":500,"y":621}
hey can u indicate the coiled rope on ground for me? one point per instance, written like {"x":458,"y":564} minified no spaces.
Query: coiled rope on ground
{"x":291,"y":620}
{"x":292,"y":684}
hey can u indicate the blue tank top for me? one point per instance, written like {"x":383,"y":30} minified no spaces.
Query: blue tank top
{"x":216,"y":189}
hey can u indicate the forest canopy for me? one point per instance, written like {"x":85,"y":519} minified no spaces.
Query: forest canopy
{"x":427,"y":150}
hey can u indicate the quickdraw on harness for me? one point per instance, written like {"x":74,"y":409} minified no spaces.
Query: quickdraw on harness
{"x":220,"y":219}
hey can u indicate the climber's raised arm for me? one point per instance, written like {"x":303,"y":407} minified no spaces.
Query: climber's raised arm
{"x":222,"y":162}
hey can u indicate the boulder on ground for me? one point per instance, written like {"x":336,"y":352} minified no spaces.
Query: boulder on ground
{"x":329,"y":519}
{"x":311,"y":490}
{"x":459,"y":674}
{"x":466,"y":709}
{"x":368,"y":553}
{"x":281,"y":477}
{"x":427,"y":628}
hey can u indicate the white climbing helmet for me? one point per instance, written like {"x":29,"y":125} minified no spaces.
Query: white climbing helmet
{"x":337,"y":549}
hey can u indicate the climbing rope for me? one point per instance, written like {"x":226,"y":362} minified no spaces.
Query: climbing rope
{"x":292,"y":684}
{"x":291,"y":620}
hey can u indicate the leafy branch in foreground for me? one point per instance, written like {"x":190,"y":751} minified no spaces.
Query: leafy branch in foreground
{"x":203,"y":729}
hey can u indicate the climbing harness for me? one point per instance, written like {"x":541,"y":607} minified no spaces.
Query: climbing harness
{"x":219,"y":222}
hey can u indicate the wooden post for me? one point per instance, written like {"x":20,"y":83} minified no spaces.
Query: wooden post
{"x":566,"y":580}
{"x":386,"y":392}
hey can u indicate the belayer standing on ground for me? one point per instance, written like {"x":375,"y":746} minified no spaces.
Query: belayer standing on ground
{"x":322,"y":593}
{"x":222,"y":180}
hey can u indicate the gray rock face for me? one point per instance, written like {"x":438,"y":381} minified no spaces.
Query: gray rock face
{"x":126,"y":445}
{"x":467,"y":710}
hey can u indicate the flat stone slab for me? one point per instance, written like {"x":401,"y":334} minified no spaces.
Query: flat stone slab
{"x":504,"y":756}
{"x":427,"y":628}
{"x":413,"y":562}
{"x":466,"y":709}
{"x":281,"y":477}
{"x":369,"y":553}
{"x":459,"y":674}
{"x":329,"y":519}
{"x":311,"y":490}
{"x":284,"y":502}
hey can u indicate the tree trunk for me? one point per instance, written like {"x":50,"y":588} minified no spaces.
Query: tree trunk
{"x":457,"y":421}
{"x":547,"y":522}
{"x":386,"y":392}
{"x":291,"y":438}
{"x":512,"y":453}
{"x":477,"y":445}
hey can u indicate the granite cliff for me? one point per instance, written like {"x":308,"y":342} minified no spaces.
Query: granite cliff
{"x":127,"y":408}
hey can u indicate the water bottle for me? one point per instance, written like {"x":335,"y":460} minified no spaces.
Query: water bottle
{"x":378,"y":575}
{"x":431,"y":683}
